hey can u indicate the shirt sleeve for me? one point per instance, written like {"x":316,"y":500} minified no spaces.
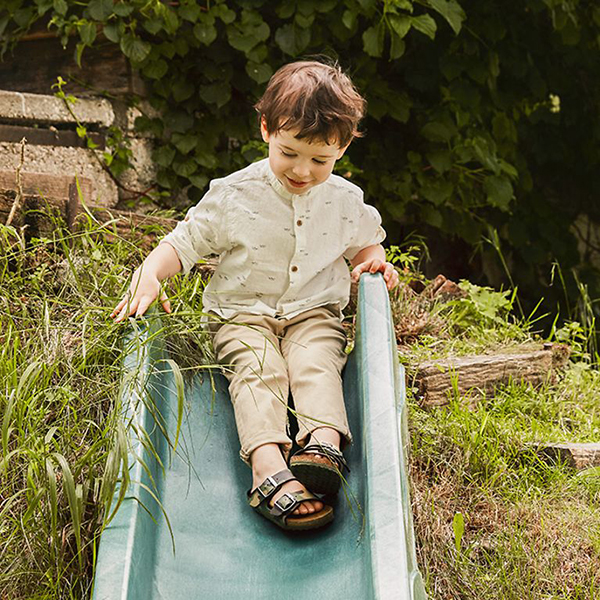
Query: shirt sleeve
{"x":204,"y":229}
{"x":368,"y":230}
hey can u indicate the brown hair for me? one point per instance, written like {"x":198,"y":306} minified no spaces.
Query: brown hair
{"x":316,"y":99}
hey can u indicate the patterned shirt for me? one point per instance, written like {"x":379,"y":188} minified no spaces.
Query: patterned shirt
{"x":280,"y":253}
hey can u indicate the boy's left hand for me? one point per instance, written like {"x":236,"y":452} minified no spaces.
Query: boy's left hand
{"x":376,"y":265}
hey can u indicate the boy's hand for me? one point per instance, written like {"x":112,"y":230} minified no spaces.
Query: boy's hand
{"x":376,"y":265}
{"x":143,"y":291}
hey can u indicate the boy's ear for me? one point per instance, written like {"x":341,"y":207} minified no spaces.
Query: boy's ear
{"x":342,"y":150}
{"x":263,"y":129}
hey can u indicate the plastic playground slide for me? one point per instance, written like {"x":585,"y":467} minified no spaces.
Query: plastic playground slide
{"x":211,"y":545}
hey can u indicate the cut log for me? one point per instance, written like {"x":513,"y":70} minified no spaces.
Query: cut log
{"x":472,"y":376}
{"x":578,"y":456}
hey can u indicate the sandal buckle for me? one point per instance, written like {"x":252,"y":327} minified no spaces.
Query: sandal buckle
{"x":267,"y":487}
{"x":284,"y":502}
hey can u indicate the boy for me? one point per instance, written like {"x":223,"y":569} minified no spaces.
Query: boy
{"x":282,"y":227}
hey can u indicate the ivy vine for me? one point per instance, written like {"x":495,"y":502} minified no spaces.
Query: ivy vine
{"x":481,"y":116}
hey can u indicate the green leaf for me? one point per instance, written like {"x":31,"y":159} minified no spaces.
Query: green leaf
{"x":292,"y":39}
{"x":401,"y":24}
{"x":499,"y":191}
{"x":60,"y":6}
{"x":190,"y":11}
{"x":185,"y":168}
{"x":164,"y":155}
{"x":249,"y":32}
{"x":437,"y":191}
{"x":440,"y":160}
{"x":349,"y":19}
{"x":451,"y":11}
{"x":134,"y":48}
{"x":155,"y":69}
{"x":112,"y":32}
{"x":216,"y":93}
{"x":153,"y":25}
{"x":458,"y":526}
{"x":184,"y":142}
{"x":79,"y":53}
{"x":178,"y":120}
{"x":224,"y":13}
{"x":432,"y":216}
{"x":397,"y":47}
{"x":259,"y":72}
{"x":205,"y":33}
{"x":182,"y":89}
{"x":404,"y":5}
{"x":437,"y":132}
{"x":373,"y":39}
{"x":199,"y":181}
{"x":425,"y":24}
{"x":258,"y":54}
{"x":123,"y":9}
{"x":100,"y":10}
{"x":304,"y":21}
{"x":286,"y":9}
{"x":171,"y":21}
{"x":87,"y":32}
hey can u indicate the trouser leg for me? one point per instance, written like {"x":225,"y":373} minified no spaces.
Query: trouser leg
{"x":258,"y":381}
{"x":313,"y":346}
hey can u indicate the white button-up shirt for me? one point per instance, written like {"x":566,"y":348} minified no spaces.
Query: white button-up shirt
{"x":280,"y":253}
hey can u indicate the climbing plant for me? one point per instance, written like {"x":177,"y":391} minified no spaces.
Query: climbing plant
{"x":482,"y":116}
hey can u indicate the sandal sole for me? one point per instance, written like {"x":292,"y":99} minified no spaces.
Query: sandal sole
{"x":317,"y":477}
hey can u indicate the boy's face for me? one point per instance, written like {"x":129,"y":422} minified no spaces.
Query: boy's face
{"x":300,"y":165}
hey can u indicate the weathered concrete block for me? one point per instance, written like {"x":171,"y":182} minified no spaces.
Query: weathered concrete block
{"x":39,"y":108}
{"x":61,"y":160}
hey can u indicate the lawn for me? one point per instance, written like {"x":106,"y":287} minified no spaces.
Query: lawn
{"x":492,"y":519}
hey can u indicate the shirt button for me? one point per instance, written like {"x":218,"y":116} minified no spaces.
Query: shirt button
{"x":299,"y":222}
{"x":294,"y":269}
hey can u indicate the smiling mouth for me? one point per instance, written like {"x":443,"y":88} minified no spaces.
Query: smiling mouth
{"x":297,"y":184}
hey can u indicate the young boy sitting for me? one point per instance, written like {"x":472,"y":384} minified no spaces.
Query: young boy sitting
{"x":283,"y":228}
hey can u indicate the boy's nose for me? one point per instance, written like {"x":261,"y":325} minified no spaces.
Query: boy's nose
{"x":301,"y":171}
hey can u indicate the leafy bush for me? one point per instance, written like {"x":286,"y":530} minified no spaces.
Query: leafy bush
{"x":481,"y":115}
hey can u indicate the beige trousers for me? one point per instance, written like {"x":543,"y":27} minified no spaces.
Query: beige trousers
{"x":264,"y":358}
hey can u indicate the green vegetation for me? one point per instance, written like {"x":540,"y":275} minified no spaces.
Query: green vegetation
{"x":493,"y":520}
{"x":481,"y":116}
{"x":63,"y":441}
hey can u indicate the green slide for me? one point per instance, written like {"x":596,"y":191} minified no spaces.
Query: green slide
{"x":211,"y":545}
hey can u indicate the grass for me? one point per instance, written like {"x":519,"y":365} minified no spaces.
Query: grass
{"x":60,"y":369}
{"x":492,"y":519}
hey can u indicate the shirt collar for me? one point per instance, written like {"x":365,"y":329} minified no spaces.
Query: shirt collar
{"x":281,"y":189}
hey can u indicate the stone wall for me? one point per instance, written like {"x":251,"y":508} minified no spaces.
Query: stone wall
{"x":53,"y":147}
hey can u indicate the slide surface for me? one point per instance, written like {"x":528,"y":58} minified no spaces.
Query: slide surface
{"x":211,"y":544}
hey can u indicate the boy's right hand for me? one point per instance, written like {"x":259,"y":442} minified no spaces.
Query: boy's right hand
{"x":143,"y":291}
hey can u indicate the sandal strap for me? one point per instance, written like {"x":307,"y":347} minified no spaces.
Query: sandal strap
{"x":287,"y":503}
{"x":328,"y":451}
{"x":268,"y":487}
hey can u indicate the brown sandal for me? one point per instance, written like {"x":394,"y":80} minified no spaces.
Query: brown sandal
{"x":280,"y":512}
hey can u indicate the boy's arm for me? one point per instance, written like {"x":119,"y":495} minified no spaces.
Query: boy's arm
{"x":372,"y":259}
{"x":161,"y":263}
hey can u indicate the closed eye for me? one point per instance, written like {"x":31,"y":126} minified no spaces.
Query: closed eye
{"x":319,"y":162}
{"x":288,"y":154}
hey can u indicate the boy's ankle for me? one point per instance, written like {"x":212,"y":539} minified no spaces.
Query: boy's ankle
{"x":326,"y":434}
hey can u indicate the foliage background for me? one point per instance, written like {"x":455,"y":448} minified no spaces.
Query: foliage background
{"x":482,"y":128}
